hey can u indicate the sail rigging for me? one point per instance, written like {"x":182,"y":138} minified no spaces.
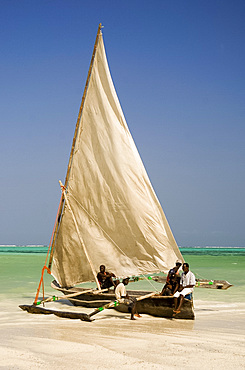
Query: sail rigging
{"x":109,"y":195}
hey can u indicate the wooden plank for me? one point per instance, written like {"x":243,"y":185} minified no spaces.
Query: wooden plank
{"x":69,"y":315}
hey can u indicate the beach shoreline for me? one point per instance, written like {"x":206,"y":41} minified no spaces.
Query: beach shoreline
{"x":214,"y":340}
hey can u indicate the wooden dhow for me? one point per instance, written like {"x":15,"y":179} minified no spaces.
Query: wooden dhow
{"x":108,"y":213}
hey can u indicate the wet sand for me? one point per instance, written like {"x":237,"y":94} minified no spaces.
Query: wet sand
{"x":214,"y":340}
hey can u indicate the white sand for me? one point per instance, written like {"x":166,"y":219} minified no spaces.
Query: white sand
{"x":215,"y":340}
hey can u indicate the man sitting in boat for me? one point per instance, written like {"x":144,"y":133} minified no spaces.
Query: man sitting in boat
{"x":105,"y":278}
{"x":175,"y":269}
{"x":171,"y":286}
{"x":122,"y":297}
{"x":187,"y":283}
{"x":172,"y":281}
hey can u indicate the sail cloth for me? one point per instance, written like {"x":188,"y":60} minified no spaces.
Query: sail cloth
{"x":119,"y":217}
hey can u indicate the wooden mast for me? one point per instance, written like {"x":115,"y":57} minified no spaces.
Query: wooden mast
{"x":73,"y":143}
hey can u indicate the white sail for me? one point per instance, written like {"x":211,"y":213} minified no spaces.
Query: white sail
{"x":119,"y":217}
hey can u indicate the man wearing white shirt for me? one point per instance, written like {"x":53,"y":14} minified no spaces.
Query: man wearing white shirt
{"x":187,"y":283}
{"x":122,"y":297}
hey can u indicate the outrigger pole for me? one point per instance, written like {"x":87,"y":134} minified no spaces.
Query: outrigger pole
{"x":50,"y":252}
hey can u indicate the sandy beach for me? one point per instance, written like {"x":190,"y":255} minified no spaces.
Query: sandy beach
{"x":214,"y":340}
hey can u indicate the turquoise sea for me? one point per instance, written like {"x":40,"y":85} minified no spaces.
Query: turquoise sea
{"x":20,"y":271}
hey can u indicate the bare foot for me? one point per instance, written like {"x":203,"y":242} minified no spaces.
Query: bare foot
{"x":176,"y":312}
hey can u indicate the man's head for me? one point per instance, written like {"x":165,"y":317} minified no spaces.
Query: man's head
{"x":185,"y":267}
{"x":126,"y":281}
{"x":102,"y":268}
{"x":178,"y":264}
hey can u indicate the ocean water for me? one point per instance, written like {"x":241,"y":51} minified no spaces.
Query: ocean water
{"x":20,"y":272}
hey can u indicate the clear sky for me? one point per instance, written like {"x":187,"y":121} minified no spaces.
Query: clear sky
{"x":179,"y":71}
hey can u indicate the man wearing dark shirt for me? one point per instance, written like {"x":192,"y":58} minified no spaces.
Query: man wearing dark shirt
{"x":105,"y":278}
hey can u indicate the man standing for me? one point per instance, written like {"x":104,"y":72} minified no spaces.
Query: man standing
{"x":122,"y":297}
{"x":187,"y":283}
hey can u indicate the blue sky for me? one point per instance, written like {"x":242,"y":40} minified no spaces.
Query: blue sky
{"x":178,"y":68}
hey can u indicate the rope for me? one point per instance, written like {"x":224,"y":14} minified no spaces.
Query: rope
{"x":201,"y":277}
{"x":149,"y":281}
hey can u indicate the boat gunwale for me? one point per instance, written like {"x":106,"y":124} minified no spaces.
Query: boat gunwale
{"x":110,"y":292}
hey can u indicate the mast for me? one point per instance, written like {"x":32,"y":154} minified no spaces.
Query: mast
{"x":73,"y":143}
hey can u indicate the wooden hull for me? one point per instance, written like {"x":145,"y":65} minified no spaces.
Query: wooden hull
{"x":155,"y":306}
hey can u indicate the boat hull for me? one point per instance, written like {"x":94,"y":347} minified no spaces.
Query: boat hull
{"x":156,"y":306}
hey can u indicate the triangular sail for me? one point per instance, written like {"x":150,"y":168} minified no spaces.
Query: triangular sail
{"x":115,"y":207}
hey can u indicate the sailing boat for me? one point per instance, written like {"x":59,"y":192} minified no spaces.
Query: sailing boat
{"x":109,"y":213}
